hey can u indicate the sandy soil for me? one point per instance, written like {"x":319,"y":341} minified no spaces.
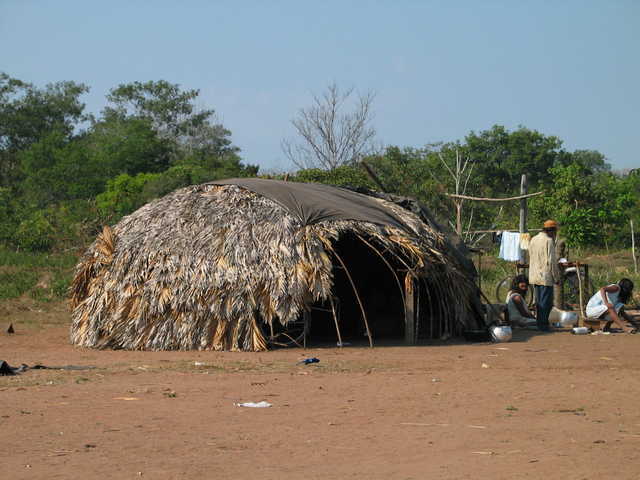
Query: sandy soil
{"x":542,"y":406}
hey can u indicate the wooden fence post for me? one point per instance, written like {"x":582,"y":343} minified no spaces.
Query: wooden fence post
{"x":633,"y":248}
{"x":409,"y":309}
{"x":523,"y":205}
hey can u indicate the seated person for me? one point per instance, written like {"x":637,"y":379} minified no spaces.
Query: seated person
{"x":608,"y":304}
{"x":519,"y":313}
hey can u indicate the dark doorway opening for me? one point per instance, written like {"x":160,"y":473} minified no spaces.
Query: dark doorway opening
{"x":378,"y":288}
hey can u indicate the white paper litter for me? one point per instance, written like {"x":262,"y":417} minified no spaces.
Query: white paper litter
{"x":262,"y":404}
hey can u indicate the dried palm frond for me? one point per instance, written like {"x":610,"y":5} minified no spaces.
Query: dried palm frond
{"x":207,"y":266}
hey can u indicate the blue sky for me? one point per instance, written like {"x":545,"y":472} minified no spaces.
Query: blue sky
{"x":439,"y":69}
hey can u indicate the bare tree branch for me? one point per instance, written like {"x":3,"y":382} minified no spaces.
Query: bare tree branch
{"x":329,"y":136}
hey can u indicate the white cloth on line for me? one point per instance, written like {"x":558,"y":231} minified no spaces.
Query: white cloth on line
{"x":510,"y":246}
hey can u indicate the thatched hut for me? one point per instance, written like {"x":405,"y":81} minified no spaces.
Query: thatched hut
{"x":231,"y":265}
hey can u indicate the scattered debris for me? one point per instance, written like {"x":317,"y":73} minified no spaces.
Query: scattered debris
{"x":6,"y":369}
{"x":126,"y":398}
{"x":484,"y":365}
{"x":425,"y":424}
{"x":484,"y":453}
{"x":308,"y":361}
{"x":261,"y":404}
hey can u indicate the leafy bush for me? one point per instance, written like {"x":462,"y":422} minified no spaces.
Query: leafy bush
{"x":345,"y":176}
{"x":35,"y":233}
{"x":123,"y":195}
{"x":581,"y":227}
{"x":16,"y":283}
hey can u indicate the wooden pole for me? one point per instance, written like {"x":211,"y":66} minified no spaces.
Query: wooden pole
{"x":335,"y":320}
{"x":633,"y":248}
{"x":523,"y":204}
{"x":409,"y":310}
{"x":373,"y":176}
{"x":306,"y":316}
{"x":581,"y":313}
{"x":483,"y":199}
{"x":355,"y":291}
{"x":416,"y":330}
{"x":522,"y":227}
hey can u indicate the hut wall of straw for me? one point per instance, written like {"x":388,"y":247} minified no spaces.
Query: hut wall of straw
{"x":207,"y":266}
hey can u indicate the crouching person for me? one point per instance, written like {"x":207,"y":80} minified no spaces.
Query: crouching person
{"x":519,"y":313}
{"x":608,"y":304}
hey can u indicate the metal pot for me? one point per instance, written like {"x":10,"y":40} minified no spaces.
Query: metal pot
{"x":501,"y":333}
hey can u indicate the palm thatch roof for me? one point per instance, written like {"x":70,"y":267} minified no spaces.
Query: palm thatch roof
{"x":209,"y":266}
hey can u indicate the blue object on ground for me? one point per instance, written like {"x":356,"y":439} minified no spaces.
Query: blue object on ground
{"x":307,"y":361}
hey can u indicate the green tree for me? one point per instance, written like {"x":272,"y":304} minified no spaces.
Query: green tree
{"x":172,"y":113}
{"x":123,"y":195}
{"x":342,"y":176}
{"x":27,"y":114}
{"x":591,"y":207}
{"x":503,"y":156}
{"x":592,"y":160}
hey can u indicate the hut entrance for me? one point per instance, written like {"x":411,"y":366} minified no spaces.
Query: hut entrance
{"x":377,"y":287}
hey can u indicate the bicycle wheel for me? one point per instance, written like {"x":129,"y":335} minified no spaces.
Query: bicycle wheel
{"x":572,"y":291}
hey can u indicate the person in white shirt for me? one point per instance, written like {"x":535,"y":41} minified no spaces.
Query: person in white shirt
{"x":608,"y":304}
{"x":543,"y":271}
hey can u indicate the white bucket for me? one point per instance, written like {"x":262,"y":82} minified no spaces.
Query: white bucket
{"x":563,"y":318}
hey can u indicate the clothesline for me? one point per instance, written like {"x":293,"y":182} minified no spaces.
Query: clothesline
{"x":498,"y":231}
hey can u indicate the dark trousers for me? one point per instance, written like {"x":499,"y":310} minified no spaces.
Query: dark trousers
{"x":544,"y":303}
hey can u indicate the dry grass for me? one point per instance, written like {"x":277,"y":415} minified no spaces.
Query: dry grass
{"x":206,"y":266}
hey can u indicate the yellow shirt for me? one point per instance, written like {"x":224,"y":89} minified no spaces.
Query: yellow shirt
{"x":543,"y":264}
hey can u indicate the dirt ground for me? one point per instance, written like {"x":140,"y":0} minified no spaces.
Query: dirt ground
{"x":542,"y":406}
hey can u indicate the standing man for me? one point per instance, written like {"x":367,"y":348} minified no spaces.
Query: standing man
{"x":543,"y":271}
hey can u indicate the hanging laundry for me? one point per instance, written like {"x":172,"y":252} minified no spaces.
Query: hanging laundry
{"x":510,"y":246}
{"x":525,"y":238}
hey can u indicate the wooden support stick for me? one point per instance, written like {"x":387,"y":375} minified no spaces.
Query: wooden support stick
{"x":581,"y":315}
{"x":355,"y":290}
{"x":409,"y":310}
{"x":417,"y":329}
{"x":633,"y":248}
{"x":335,"y":320}
{"x":373,"y":176}
{"x":306,"y":316}
{"x":482,"y":199}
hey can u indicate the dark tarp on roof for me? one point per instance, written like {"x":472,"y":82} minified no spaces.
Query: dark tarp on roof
{"x":313,"y":202}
